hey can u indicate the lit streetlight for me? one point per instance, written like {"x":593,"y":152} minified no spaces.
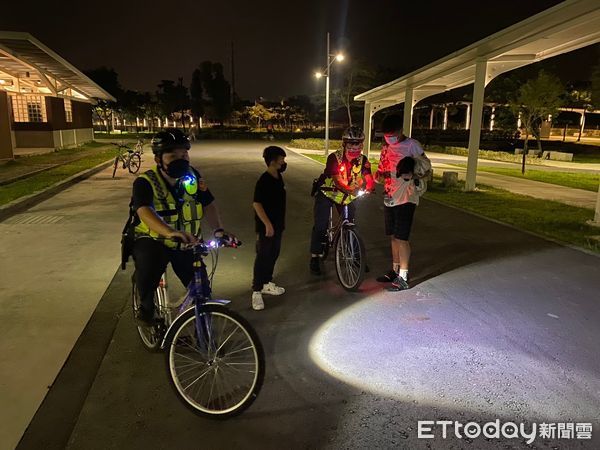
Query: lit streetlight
{"x":339,"y":57}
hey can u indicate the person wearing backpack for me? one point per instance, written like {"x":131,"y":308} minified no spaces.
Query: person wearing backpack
{"x":168,"y":202}
{"x":403,"y":169}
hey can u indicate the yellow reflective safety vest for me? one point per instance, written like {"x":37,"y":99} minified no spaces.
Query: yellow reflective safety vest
{"x":184,"y":216}
{"x":349,"y":174}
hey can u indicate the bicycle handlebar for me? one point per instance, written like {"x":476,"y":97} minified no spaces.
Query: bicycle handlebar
{"x":122,"y":146}
{"x":362,"y":192}
{"x":214,"y":244}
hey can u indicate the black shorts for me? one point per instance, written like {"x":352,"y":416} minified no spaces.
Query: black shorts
{"x":398,"y":220}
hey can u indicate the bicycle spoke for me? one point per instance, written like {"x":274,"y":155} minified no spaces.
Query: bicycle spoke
{"x":182,"y":343}
{"x":225,"y":341}
{"x":250,"y":347}
{"x":200,"y":387}
{"x":196,"y":380}
{"x":191,"y":364}
{"x":188,"y":374}
{"x":187,"y":358}
{"x":211,"y":390}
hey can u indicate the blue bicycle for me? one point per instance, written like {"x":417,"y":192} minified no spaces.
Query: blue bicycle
{"x":215,"y":360}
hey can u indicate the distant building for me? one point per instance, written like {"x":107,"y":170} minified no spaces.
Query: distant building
{"x":45,"y":102}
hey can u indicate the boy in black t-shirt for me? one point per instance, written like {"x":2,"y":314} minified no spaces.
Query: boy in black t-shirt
{"x":269,"y":209}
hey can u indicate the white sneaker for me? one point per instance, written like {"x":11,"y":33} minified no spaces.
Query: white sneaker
{"x":257,"y":301}
{"x":272,"y":289}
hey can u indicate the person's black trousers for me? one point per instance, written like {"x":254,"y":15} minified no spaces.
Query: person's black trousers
{"x":151,"y":258}
{"x":267,"y":252}
{"x":321,"y":214}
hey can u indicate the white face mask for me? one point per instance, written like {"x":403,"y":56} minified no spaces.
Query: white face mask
{"x":392,"y":140}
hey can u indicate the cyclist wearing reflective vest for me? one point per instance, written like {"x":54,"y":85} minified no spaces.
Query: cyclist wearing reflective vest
{"x":169,"y":201}
{"x":346,"y":172}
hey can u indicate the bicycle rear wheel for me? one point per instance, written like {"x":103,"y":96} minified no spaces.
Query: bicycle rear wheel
{"x":151,"y":337}
{"x":216,"y":368}
{"x":350,"y":260}
{"x":115,"y":166}
{"x":134,"y":163}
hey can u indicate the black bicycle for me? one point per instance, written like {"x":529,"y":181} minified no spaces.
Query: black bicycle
{"x":214,"y":358}
{"x":129,"y":158}
{"x":349,"y":249}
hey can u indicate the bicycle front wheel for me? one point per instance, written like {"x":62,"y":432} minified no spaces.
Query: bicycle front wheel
{"x":350,"y":260}
{"x":216,"y":367}
{"x":134,"y":163}
{"x":115,"y":166}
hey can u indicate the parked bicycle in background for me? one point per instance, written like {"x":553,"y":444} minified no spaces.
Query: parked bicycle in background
{"x":129,"y":158}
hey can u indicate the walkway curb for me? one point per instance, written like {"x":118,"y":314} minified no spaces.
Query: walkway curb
{"x":23,"y":203}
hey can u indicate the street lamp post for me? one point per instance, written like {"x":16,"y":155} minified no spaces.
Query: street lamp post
{"x":330,"y":58}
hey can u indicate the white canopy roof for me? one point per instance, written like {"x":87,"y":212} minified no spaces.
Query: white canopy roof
{"x":28,"y":66}
{"x":565,"y":27}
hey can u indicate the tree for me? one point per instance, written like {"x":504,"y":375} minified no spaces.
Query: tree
{"x":217,"y":89}
{"x":107,"y":79}
{"x":173,"y":98}
{"x":132,"y":105}
{"x":537,"y":99}
{"x":152,"y":110}
{"x":360,"y":78}
{"x":259,"y":113}
{"x":220,"y":94}
{"x":197,"y":94}
{"x":302,"y":105}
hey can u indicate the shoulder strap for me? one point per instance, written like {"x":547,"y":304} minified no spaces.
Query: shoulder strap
{"x":158,"y":188}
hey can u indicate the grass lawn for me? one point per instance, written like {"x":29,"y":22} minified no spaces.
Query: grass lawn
{"x":586,"y":181}
{"x":71,"y":162}
{"x":563,"y":223}
{"x":319,"y":144}
{"x":590,"y":159}
{"x":509,"y":157}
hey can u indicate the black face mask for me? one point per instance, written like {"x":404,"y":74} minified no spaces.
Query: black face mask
{"x":178,"y":168}
{"x":282,"y":168}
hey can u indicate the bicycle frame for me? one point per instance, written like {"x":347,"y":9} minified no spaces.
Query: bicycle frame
{"x":334,"y":230}
{"x":198,"y":294}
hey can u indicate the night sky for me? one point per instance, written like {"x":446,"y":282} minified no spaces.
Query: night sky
{"x":278,"y":45}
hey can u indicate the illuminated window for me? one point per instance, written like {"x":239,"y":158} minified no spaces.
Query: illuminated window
{"x":68,"y":110}
{"x":29,"y":108}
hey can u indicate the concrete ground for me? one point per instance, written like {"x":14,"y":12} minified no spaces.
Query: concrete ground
{"x":58,"y":258}
{"x":498,"y":325}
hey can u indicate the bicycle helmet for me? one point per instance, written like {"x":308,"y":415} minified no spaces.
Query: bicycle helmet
{"x":353,"y":134}
{"x":169,"y":140}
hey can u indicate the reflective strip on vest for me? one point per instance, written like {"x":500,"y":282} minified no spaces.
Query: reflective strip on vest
{"x":334,"y":194}
{"x":186,"y":218}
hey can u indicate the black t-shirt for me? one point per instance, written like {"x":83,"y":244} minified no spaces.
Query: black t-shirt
{"x":144,"y":196}
{"x":270,"y":193}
